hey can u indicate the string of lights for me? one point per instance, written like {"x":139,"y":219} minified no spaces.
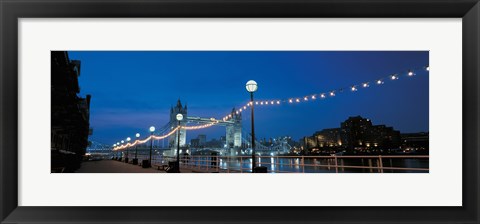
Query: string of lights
{"x":200,"y":126}
{"x":166,"y":135}
{"x":291,"y":100}
{"x":331,"y":93}
{"x":155,"y":137}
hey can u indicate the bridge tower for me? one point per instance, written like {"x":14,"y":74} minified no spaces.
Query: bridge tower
{"x":234,"y":131}
{"x":178,"y":109}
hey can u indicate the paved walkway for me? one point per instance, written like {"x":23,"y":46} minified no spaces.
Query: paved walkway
{"x":113,"y":166}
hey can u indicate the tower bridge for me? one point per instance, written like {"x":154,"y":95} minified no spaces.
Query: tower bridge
{"x":233,"y":128}
{"x":235,"y":141}
{"x":176,"y":131}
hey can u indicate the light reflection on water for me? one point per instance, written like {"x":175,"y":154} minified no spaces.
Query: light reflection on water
{"x":317,"y":165}
{"x":272,"y":164}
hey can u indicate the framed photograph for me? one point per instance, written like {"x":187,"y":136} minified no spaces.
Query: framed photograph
{"x":250,"y":112}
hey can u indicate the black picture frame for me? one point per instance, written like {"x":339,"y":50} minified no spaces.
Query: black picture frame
{"x":12,"y":10}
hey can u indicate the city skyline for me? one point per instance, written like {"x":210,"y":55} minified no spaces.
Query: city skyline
{"x":134,"y":90}
{"x":198,"y":133}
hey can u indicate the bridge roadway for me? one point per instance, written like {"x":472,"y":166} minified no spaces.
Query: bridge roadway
{"x":113,"y":166}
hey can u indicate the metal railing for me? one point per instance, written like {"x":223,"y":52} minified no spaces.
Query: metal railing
{"x":300,"y":164}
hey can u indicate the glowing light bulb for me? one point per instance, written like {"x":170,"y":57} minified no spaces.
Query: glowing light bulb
{"x":394,"y":77}
{"x":297,"y":100}
{"x":313,"y":97}
{"x":410,"y":73}
{"x":305,"y":98}
{"x":332,"y":93}
{"x":278,"y":101}
{"x":290,"y":100}
{"x":365,"y":85}
{"x":354,"y":88}
{"x":379,"y":82}
{"x":427,"y":68}
{"x":322,"y":95}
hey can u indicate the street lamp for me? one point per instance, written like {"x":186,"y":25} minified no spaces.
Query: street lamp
{"x":113,"y":151}
{"x":152,"y":129}
{"x":128,"y":141}
{"x":179,"y":118}
{"x":252,"y":87}
{"x":135,"y":161}
{"x":118,"y":144}
{"x":121,"y":155}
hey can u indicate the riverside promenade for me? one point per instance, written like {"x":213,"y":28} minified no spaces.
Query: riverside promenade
{"x":113,"y":166}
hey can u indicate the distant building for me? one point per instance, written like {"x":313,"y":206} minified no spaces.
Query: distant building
{"x":415,"y":141}
{"x":214,"y":143}
{"x":360,"y":133}
{"x":355,"y":133}
{"x":331,"y":137}
{"x":223,"y":139}
{"x":202,"y":139}
{"x":195,"y":142}
{"x":70,"y":114}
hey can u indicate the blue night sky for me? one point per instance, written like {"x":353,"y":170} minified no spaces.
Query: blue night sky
{"x":133,"y":90}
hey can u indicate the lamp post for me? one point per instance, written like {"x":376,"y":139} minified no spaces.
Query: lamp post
{"x":152,"y":129}
{"x":113,"y":151}
{"x":179,"y":118}
{"x":118,"y":144}
{"x":251,"y":88}
{"x":128,"y":142}
{"x":121,"y":152}
{"x":135,"y":161}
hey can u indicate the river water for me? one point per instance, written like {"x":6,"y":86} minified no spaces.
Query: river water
{"x":307,"y":165}
{"x":317,"y":165}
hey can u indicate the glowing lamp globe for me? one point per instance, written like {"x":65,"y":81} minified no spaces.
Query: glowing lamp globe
{"x":128,"y":139}
{"x":251,"y":86}
{"x":137,"y":135}
{"x":122,"y":141}
{"x":152,"y":129}
{"x":179,"y":117}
